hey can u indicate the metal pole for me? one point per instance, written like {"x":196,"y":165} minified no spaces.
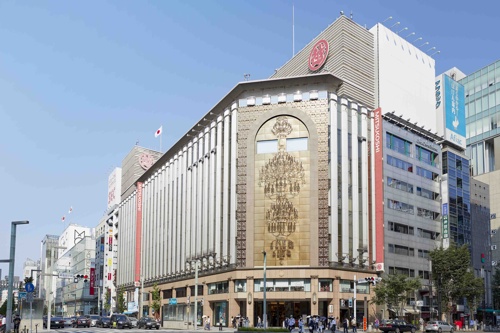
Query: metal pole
{"x":11,"y":272}
{"x":354,"y":300}
{"x":31,"y":316}
{"x":196,"y":295}
{"x":264,"y":315}
{"x":141,"y":297}
{"x":50,"y":288}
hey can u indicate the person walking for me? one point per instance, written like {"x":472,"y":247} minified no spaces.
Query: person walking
{"x":17,"y":322}
{"x":220,"y":324}
{"x":345,"y":324}
{"x":301,"y":325}
{"x":333,"y":325}
{"x":354,"y":325}
{"x":291,"y":323}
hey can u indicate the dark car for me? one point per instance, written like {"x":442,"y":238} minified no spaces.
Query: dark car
{"x":103,"y":322}
{"x":81,"y":322}
{"x":55,"y":322}
{"x":148,"y":323}
{"x":397,"y":326}
{"x":120,"y":321}
{"x":93,"y":319}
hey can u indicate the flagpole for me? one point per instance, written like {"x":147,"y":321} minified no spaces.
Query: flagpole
{"x":161,"y":135}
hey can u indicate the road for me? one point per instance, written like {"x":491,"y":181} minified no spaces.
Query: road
{"x":163,"y":330}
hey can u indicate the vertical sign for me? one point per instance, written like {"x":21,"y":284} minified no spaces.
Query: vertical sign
{"x":92,"y":281}
{"x":138,"y":231}
{"x":379,"y":184}
{"x":445,"y":212}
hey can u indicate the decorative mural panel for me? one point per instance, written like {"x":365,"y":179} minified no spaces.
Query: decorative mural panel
{"x":282,"y":193}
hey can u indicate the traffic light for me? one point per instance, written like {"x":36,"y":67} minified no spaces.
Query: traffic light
{"x":483,"y":258}
{"x":371,"y":280}
{"x":85,"y":277}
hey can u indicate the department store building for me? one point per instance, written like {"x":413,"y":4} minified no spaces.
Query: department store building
{"x":276,"y":178}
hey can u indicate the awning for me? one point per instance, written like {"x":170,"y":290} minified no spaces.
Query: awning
{"x":129,"y":312}
{"x":411,"y":311}
{"x":489,"y":310}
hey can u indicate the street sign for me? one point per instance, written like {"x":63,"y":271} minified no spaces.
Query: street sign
{"x":29,"y":297}
{"x":64,"y":275}
{"x":29,"y":287}
{"x":172,"y":301}
{"x":22,"y":295}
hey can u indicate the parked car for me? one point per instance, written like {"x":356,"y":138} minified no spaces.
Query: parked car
{"x":438,"y":326}
{"x":93,"y":320}
{"x":68,"y":321}
{"x":55,"y":322}
{"x":397,"y":326}
{"x":133,"y":321}
{"x":81,"y":322}
{"x":120,"y":321}
{"x":148,"y":323}
{"x":103,"y":322}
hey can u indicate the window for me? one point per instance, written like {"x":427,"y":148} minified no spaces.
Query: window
{"x":400,"y":185}
{"x":296,"y":144}
{"x":267,"y":146}
{"x":240,"y":286}
{"x":427,"y":214}
{"x":427,"y":174}
{"x":423,"y":233}
{"x":325,"y":285}
{"x":218,"y":288}
{"x":200,"y":290}
{"x":167,"y":294}
{"x":424,"y":193}
{"x":283,"y":285}
{"x":459,"y":165}
{"x":401,"y":270}
{"x":401,"y":250}
{"x":424,"y":274}
{"x":396,"y":162}
{"x":401,"y":206}
{"x":401,"y":228}
{"x":398,"y":144}
{"x":426,"y":156}
{"x":180,"y":292}
{"x":423,"y":253}
{"x":459,"y":182}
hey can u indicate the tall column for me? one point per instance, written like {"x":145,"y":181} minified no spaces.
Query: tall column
{"x":218,"y":189}
{"x":161,"y":232}
{"x":364,"y":176}
{"x":189,"y":202}
{"x":234,"y":156}
{"x":345,"y":177}
{"x":225,"y":184}
{"x":183,"y":214}
{"x":355,"y":181}
{"x":201,"y":202}
{"x":170,"y":215}
{"x":194,"y":202}
{"x":334,"y":199}
{"x":175,"y":220}
{"x":211,"y":190}
{"x":206,"y":202}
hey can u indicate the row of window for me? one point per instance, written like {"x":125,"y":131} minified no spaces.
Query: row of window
{"x":407,"y":187}
{"x":409,"y":272}
{"x":410,"y":209}
{"x":271,"y":146}
{"x":403,"y":146}
{"x":403,"y":165}
{"x":407,"y":251}
{"x":409,"y":230}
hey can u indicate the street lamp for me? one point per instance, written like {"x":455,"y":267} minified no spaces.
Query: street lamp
{"x":264,"y":315}
{"x":11,"y":271}
{"x":49,"y":310}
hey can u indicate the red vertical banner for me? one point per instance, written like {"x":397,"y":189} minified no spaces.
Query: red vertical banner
{"x":138,"y":232}
{"x":379,"y":184}
{"x":92,"y":281}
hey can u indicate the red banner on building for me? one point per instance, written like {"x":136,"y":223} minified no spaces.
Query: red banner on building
{"x":379,"y":184}
{"x":92,"y":281}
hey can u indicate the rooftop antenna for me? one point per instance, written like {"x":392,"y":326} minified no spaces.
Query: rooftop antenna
{"x":419,"y":38}
{"x":410,"y":34}
{"x":246,"y":76}
{"x":426,"y":43}
{"x":351,"y":14}
{"x":437,"y":52}
{"x":293,"y":29}
{"x":395,"y":24}
{"x":387,"y":19}
{"x":431,"y":49}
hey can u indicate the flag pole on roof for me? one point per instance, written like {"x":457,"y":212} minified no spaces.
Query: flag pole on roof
{"x":158,"y":134}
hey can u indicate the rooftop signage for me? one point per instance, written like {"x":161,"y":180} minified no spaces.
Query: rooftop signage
{"x":318,"y":55}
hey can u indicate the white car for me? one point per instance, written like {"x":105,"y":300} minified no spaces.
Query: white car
{"x":438,"y":326}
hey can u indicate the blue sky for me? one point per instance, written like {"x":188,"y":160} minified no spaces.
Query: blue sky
{"x":82,"y":81}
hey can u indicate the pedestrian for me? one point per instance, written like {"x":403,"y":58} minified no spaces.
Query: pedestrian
{"x":208,"y":323}
{"x":377,"y":323}
{"x":301,"y":325}
{"x":17,"y":322}
{"x":220,"y":324}
{"x":291,"y":323}
{"x":333,"y":325}
{"x":310,"y":324}
{"x":233,"y":321}
{"x":354,"y":325}
{"x":345,"y":324}
{"x":4,"y":322}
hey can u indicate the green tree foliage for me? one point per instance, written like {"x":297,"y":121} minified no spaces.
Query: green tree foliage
{"x":120,"y":301}
{"x":3,"y":309}
{"x":107,"y":300}
{"x":156,"y":300}
{"x":495,"y":286}
{"x":453,"y":277}
{"x":394,"y":290}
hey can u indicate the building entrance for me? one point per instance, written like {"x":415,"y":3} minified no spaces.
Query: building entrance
{"x":277,"y":311}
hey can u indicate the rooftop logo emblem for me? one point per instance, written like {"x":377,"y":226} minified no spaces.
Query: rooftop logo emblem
{"x":318,"y":55}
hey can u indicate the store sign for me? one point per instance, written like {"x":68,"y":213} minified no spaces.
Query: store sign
{"x":318,"y":55}
{"x":445,"y":221}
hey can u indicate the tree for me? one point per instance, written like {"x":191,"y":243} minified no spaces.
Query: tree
{"x":394,"y":290}
{"x":3,"y":308}
{"x":156,"y":300}
{"x":495,"y":286}
{"x":107,"y":300}
{"x":120,"y":301}
{"x":451,"y":273}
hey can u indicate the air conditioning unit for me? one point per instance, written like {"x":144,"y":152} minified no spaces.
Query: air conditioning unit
{"x":493,"y":247}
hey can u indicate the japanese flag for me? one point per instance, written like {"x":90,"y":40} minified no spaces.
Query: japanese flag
{"x":158,"y":131}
